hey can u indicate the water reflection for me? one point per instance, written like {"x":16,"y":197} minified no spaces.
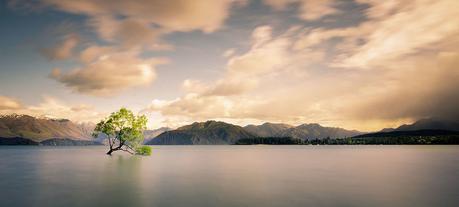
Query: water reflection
{"x":232,"y":176}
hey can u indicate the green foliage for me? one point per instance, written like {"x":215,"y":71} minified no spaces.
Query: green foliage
{"x":143,"y":150}
{"x":123,"y":129}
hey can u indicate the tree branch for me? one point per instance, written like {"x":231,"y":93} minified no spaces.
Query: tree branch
{"x":127,"y":151}
{"x":129,"y":147}
{"x":109,"y":141}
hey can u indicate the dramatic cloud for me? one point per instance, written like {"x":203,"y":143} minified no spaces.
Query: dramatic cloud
{"x":92,"y":53}
{"x":427,"y":87}
{"x":270,"y":60}
{"x":268,"y":57}
{"x":397,"y":66}
{"x":176,"y":15}
{"x":390,"y":62}
{"x":7,"y":103}
{"x":110,"y":74}
{"x":63,"y":49}
{"x":400,"y":29}
{"x":128,"y":33}
{"x":309,"y":9}
{"x":393,"y":31}
{"x":129,"y":26}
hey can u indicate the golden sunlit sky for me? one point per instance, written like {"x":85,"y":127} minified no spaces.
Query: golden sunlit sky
{"x":357,"y":64}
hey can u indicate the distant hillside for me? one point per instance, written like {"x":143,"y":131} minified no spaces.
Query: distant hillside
{"x":68,"y":142}
{"x":270,"y":141}
{"x":422,"y":132}
{"x":424,"y":136}
{"x":40,"y":129}
{"x":28,"y":130}
{"x":205,"y":133}
{"x":304,"y":131}
{"x":387,"y":130}
{"x":430,"y":124}
{"x":151,"y":134}
{"x":267,"y":129}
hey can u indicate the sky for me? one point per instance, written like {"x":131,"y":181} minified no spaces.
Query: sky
{"x":356,"y":64}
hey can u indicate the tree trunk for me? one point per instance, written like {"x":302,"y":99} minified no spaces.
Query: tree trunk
{"x":117,"y":148}
{"x":114,"y":149}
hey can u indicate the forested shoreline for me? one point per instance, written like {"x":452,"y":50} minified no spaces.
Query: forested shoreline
{"x":401,"y":140}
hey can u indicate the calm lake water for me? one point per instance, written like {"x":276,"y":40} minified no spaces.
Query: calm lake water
{"x":202,"y":176}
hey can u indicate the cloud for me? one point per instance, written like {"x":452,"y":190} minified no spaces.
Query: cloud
{"x":419,"y":88}
{"x":55,"y":108}
{"x":229,"y":52}
{"x":110,"y":74}
{"x":399,"y":29}
{"x":63,"y":49}
{"x":92,"y":53}
{"x":25,"y":5}
{"x":267,"y":57}
{"x":270,"y":60}
{"x":309,"y":9}
{"x":191,"y":105}
{"x":176,"y":15}
{"x":312,"y":38}
{"x":106,"y":69}
{"x":398,"y":65}
{"x":8,"y":103}
{"x":393,"y":30}
{"x":128,"y":33}
{"x":426,"y":87}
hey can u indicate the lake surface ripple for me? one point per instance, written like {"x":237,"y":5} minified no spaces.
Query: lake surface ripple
{"x":203,"y":176}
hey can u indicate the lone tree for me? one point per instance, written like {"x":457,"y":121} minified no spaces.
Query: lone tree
{"x":124,"y":132}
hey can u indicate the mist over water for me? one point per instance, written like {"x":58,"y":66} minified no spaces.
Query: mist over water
{"x":231,"y":176}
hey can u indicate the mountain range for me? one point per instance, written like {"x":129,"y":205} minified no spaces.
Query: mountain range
{"x":204,"y":133}
{"x":268,"y":129}
{"x":433,"y":123}
{"x":304,"y":131}
{"x":39,"y":129}
{"x":29,"y":130}
{"x":24,"y":129}
{"x":151,"y":134}
{"x":215,"y":132}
